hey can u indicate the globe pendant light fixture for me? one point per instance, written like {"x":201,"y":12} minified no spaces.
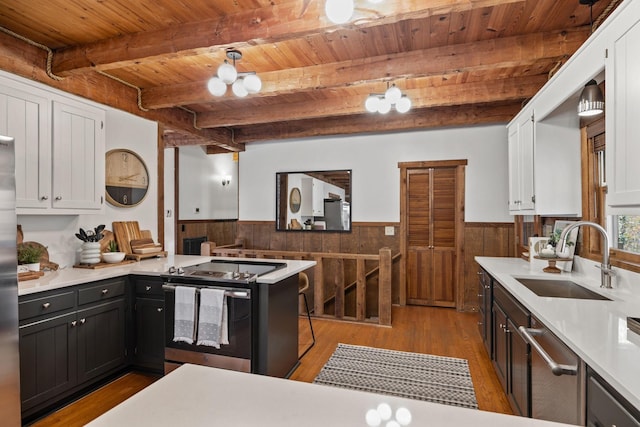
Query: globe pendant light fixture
{"x":341,"y":11}
{"x":382,"y":102}
{"x":242,"y":83}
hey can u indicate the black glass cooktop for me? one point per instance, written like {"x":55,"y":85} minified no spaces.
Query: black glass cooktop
{"x":228,"y":270}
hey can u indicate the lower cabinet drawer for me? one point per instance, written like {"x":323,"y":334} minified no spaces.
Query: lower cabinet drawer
{"x":102,"y":291}
{"x":603,"y":409}
{"x":46,"y":305}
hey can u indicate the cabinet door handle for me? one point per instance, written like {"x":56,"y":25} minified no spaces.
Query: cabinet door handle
{"x":159,"y":310}
{"x":105,"y":291}
{"x":44,"y":198}
{"x":58,"y":197}
{"x":46,"y":305}
{"x":83,"y":321}
{"x":74,"y":323}
{"x":148,"y":288}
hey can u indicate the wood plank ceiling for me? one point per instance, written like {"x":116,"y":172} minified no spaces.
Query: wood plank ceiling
{"x":460,"y":62}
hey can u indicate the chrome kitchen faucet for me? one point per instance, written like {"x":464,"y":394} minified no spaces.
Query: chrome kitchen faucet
{"x":605,"y":268}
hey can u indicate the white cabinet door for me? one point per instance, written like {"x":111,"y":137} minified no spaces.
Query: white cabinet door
{"x":526,"y":139}
{"x":78,"y":157}
{"x":623,"y":121}
{"x":318,"y":197}
{"x":521,"y":165}
{"x":26,"y":118}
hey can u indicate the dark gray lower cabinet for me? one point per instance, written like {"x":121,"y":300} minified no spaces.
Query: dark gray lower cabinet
{"x":510,"y":350}
{"x":47,"y":362}
{"x":69,"y":339}
{"x":149,"y":323}
{"x":605,"y":408}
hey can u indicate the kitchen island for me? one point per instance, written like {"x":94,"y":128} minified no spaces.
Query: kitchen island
{"x":202,"y":396}
{"x":596,"y":330}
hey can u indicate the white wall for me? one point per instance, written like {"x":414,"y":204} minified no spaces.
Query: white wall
{"x":57,"y":232}
{"x":201,"y":193}
{"x":376,"y":177}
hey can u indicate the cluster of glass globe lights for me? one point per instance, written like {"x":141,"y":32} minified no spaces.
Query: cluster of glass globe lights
{"x":382,"y":103}
{"x":242,"y":83}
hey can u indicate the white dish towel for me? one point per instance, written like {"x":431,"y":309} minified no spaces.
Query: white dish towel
{"x":213,"y":327}
{"x":185,"y":314}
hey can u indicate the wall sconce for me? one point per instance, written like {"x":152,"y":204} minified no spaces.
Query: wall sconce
{"x":242,"y":83}
{"x":226,"y":180}
{"x":382,"y":102}
{"x":591,"y":100}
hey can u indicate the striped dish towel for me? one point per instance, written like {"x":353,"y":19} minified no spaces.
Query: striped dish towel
{"x":213,"y":327}
{"x":185,"y":314}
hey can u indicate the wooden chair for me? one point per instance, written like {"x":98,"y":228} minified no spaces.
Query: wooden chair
{"x":303,"y":285}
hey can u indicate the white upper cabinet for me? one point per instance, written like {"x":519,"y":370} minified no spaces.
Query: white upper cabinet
{"x":623,"y":117}
{"x":26,"y":117}
{"x":78,"y":157}
{"x":521,"y":162}
{"x":544,"y":163}
{"x":60,"y":148}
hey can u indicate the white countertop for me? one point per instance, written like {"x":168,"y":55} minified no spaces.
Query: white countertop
{"x":595,"y":330}
{"x":152,"y":266}
{"x":202,"y":396}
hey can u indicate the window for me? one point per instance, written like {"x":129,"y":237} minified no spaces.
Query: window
{"x":624,"y":230}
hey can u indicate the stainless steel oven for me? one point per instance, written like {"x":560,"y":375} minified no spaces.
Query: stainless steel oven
{"x":238,"y":280}
{"x":236,"y":355}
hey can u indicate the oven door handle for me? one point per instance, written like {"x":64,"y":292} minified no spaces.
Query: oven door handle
{"x":557,"y":368}
{"x":240,"y":294}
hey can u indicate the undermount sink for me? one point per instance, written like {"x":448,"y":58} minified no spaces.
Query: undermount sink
{"x":559,"y":289}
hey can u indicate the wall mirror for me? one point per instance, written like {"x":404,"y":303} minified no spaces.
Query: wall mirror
{"x":313,"y":201}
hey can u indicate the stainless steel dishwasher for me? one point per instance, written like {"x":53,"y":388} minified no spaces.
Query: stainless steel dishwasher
{"x":558,"y":378}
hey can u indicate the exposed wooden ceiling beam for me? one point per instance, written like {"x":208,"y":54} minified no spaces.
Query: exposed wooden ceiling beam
{"x":273,"y":23}
{"x":459,"y":115}
{"x":20,"y":58}
{"x":483,"y":55}
{"x":432,"y":96}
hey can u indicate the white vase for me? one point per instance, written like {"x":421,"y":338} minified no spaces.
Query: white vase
{"x":90,"y":253}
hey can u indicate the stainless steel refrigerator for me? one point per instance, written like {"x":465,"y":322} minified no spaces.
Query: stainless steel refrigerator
{"x":9,"y":353}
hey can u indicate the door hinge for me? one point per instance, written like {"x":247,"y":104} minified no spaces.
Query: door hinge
{"x":135,"y":350}
{"x":606,"y":53}
{"x":101,"y":124}
{"x":126,"y":352}
{"x":533,"y":198}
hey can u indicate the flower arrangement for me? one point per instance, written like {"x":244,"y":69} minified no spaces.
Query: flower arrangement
{"x":91,"y":236}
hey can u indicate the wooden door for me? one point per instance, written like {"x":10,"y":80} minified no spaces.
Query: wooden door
{"x":431,"y":233}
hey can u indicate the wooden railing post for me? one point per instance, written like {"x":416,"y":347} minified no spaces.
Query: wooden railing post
{"x":384,"y":287}
{"x":318,"y":288}
{"x":361,"y":291}
{"x":338,"y":285}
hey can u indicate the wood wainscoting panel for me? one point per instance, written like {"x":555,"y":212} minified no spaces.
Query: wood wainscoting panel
{"x":483,"y":239}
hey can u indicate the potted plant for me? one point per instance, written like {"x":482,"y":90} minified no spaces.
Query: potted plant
{"x":91,"y":244}
{"x":30,"y":256}
{"x":112,"y":255}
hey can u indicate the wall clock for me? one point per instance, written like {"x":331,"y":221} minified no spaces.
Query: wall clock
{"x":127,"y":178}
{"x":294,"y":200}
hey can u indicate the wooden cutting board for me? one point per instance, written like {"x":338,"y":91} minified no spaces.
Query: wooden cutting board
{"x":125,"y":232}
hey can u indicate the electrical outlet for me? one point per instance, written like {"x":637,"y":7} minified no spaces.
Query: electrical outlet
{"x":389,"y":230}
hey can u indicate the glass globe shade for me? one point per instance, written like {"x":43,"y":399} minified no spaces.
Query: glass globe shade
{"x":376,"y":1}
{"x":238,"y":89}
{"x":403,"y":105}
{"x":393,"y":94}
{"x":216,"y":86}
{"x":252,"y":83}
{"x":384,"y":107}
{"x":339,"y":11}
{"x":227,"y":73}
{"x":372,"y":103}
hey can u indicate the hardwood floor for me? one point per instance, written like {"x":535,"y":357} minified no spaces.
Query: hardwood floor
{"x":439,"y":331}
